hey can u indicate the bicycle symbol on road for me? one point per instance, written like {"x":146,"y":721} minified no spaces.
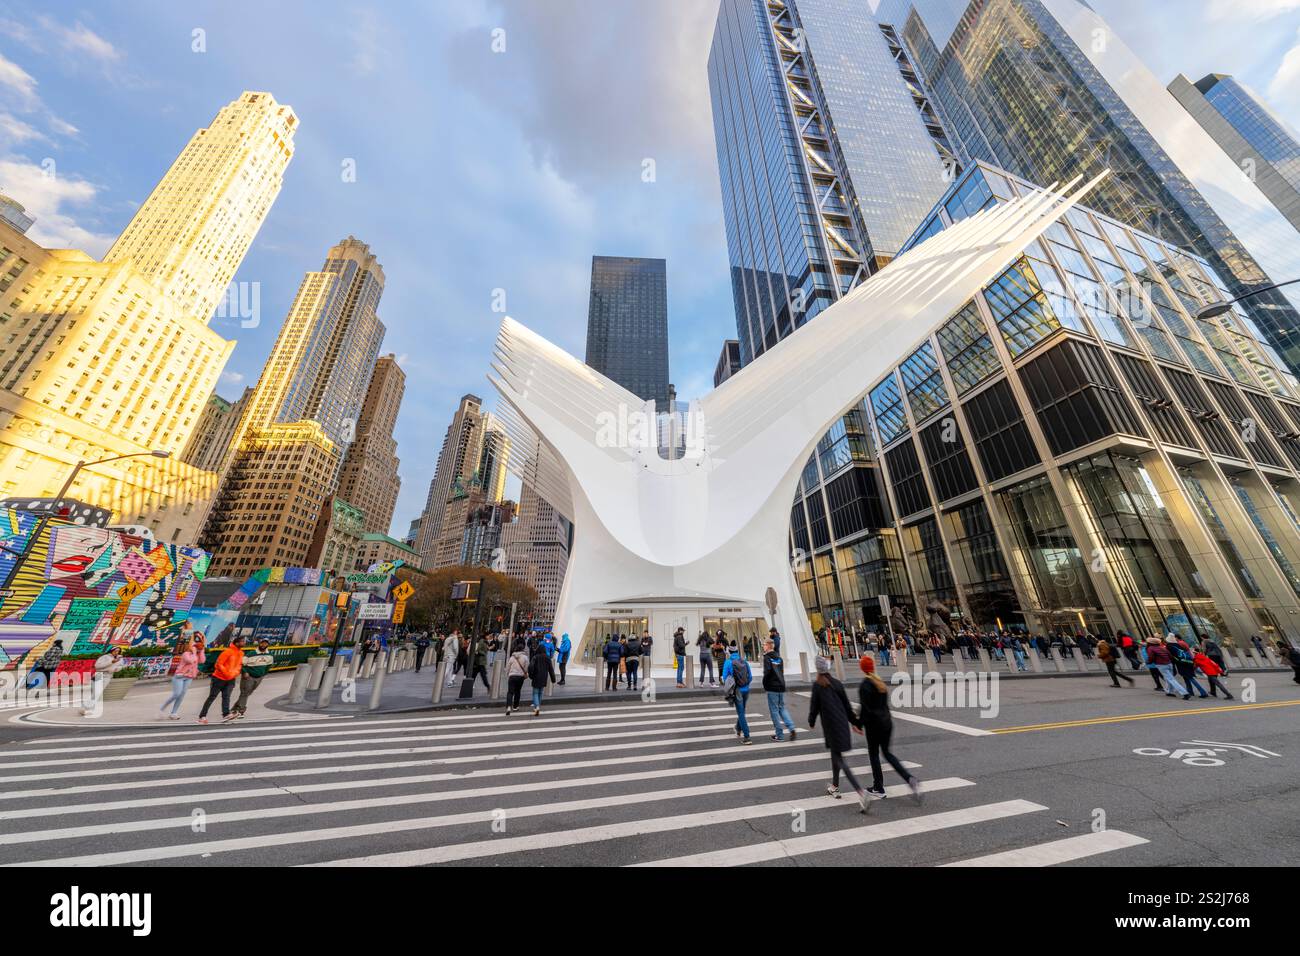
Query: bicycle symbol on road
{"x":1204,"y":753}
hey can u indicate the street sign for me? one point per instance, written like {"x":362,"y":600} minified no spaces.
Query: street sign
{"x":399,"y":612}
{"x":403,"y":591}
{"x":374,"y":612}
{"x":770,"y":600}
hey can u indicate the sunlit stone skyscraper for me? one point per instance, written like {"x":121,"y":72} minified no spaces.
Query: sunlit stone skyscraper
{"x":193,"y":231}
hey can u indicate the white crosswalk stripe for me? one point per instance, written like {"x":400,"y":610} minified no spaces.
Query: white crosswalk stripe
{"x":630,"y":782}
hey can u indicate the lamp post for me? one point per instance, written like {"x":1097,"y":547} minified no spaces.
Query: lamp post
{"x":1216,"y":309}
{"x":21,"y":559}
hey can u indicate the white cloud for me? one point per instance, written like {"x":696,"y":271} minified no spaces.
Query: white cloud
{"x":1250,"y":9}
{"x":231,"y":378}
{"x":16,"y":131}
{"x":45,"y":197}
{"x":82,"y":39}
{"x":1284,"y":88}
{"x":22,"y":83}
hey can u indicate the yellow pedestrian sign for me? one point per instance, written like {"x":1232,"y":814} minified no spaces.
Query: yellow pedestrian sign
{"x":403,"y":591}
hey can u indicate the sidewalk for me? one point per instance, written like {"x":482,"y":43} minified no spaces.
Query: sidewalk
{"x":140,"y":707}
{"x":405,"y":690}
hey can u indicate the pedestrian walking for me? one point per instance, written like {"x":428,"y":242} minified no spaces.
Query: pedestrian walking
{"x":1212,"y":671}
{"x":774,"y":691}
{"x":1128,"y":647}
{"x":831,"y":704}
{"x":1151,"y":665}
{"x":189,"y":656}
{"x":704,"y":647}
{"x":1158,"y":654}
{"x":480,"y":655}
{"x":679,"y":652}
{"x":1107,"y":655}
{"x":718,"y":651}
{"x":736,"y":678}
{"x":613,"y":654}
{"x":562,"y":653}
{"x":540,"y":671}
{"x":256,"y":666}
{"x":632,"y":660}
{"x":225,"y":672}
{"x":1291,"y":655}
{"x":422,"y":643}
{"x":1215,"y":653}
{"x":1184,"y":665}
{"x":516,"y":671}
{"x":454,"y":650}
{"x":878,"y":726}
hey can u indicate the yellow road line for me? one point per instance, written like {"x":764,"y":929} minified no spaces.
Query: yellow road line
{"x":1126,"y":717}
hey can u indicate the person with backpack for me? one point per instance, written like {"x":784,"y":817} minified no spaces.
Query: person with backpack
{"x":718,"y":651}
{"x":1128,"y":647}
{"x":562,"y":652}
{"x":421,"y":646}
{"x":878,"y":726}
{"x":516,"y":671}
{"x":613,"y":654}
{"x":632,"y":658}
{"x":540,"y":671}
{"x":480,"y":659}
{"x":1184,"y":665}
{"x":1212,"y":671}
{"x":1106,"y":654}
{"x":736,"y":670}
{"x":774,"y":691}
{"x":1161,"y":661}
{"x":831,"y":704}
{"x":224,"y":674}
{"x":1214,"y":653}
{"x":704,"y":647}
{"x":679,"y":652}
{"x":255,"y":667}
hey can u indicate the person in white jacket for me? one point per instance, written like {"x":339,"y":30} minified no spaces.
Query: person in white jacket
{"x":106,"y":665}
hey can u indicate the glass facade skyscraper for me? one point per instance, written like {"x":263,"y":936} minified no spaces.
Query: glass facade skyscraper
{"x":1266,"y":149}
{"x":1073,"y":449}
{"x":828,"y":154}
{"x":627,"y":324}
{"x":1017,"y":86}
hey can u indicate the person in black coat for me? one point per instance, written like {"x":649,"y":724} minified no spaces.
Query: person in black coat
{"x":540,"y":672}
{"x":831,"y":704}
{"x":878,"y":725}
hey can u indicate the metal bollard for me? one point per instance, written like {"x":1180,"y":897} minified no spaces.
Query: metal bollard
{"x":1229,"y":659}
{"x":1057,"y":659}
{"x":377,"y":690}
{"x":839,"y":667}
{"x":1081,"y":660}
{"x":690,"y":671}
{"x":900,"y":660}
{"x":298,"y":688}
{"x":498,"y":669}
{"x":439,"y":678}
{"x":803,"y":665}
{"x":599,"y":666}
{"x":986,"y":663}
{"x":1035,"y":659}
{"x":327,"y":687}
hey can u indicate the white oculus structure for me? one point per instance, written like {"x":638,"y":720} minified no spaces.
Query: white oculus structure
{"x":713,"y":525}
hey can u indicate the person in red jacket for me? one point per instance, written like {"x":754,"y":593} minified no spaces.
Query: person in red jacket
{"x":224,"y":674}
{"x":1212,"y":672}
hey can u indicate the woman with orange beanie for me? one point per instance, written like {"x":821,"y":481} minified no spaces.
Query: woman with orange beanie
{"x":878,"y":726}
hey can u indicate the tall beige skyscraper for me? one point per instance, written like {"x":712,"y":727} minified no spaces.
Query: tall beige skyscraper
{"x":457,"y":462}
{"x":305,"y":410}
{"x":192,"y":232}
{"x":100,"y":359}
{"x":369,"y":480}
{"x":536,"y":550}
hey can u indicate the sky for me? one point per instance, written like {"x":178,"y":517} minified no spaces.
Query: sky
{"x":497,"y":145}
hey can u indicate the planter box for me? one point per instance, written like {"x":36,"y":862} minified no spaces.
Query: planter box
{"x":118,"y":687}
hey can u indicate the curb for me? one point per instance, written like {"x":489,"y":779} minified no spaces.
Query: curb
{"x":487,"y":703}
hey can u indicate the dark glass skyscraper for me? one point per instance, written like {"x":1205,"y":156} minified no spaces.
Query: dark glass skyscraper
{"x":828,"y":155}
{"x":1045,"y":90}
{"x":627,"y":324}
{"x":1265,"y":147}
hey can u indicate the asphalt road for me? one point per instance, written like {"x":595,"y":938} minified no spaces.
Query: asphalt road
{"x":1053,"y":778}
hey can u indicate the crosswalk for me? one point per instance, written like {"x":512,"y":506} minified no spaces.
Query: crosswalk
{"x":650,"y":784}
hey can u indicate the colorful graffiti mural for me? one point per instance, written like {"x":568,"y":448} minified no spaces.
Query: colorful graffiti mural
{"x":91,"y":587}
